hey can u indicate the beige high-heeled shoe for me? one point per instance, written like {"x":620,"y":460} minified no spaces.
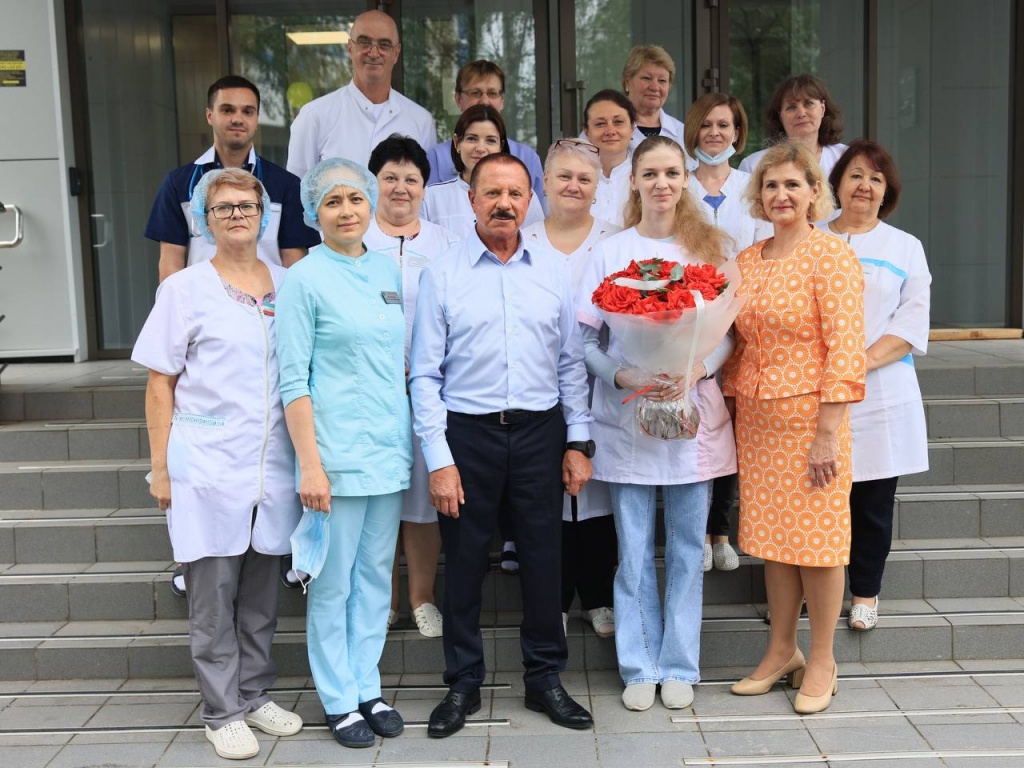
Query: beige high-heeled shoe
{"x":808,"y":705}
{"x":748,"y":686}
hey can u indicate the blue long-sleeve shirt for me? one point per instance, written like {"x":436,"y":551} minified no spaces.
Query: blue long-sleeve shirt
{"x":490,"y":337}
{"x":341,"y":342}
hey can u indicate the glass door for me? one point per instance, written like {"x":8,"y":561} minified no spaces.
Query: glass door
{"x":130,"y":124}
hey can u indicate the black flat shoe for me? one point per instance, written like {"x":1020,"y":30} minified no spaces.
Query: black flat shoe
{"x":287,"y":574}
{"x":178,"y":581}
{"x":450,"y":715}
{"x":356,"y":734}
{"x":386,"y":722}
{"x":560,"y":707}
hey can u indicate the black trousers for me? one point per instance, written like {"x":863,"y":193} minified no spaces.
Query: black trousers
{"x":590,"y":553}
{"x":723,"y":495}
{"x":519,"y":466}
{"x":871,"y":503}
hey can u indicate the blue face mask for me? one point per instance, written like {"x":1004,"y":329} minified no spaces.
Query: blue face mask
{"x":721,"y":157}
{"x":310,"y":542}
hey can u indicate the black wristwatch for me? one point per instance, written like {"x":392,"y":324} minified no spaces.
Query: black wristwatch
{"x":587,"y":447}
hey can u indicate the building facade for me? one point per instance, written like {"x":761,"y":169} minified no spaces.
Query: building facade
{"x":100,"y":98}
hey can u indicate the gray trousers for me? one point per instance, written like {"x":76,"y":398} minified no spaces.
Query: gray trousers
{"x":232,"y":615}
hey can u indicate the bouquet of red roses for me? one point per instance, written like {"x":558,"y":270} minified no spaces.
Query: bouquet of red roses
{"x":667,"y":315}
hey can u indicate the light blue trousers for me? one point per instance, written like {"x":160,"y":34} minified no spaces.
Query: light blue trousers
{"x":654,"y":646}
{"x":347,"y":608}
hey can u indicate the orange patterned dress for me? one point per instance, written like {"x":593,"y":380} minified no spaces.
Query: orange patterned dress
{"x":799,"y":342}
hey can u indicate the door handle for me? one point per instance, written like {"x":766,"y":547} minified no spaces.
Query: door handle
{"x":101,"y":222}
{"x":19,"y":226}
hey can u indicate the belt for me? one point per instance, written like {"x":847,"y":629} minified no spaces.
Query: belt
{"x":509,"y":418}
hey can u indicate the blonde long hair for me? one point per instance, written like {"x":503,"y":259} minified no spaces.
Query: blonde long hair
{"x":689,"y":226}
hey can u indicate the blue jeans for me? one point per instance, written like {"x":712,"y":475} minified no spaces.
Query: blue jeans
{"x":653,"y":647}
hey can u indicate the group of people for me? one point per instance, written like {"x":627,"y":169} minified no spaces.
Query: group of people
{"x":422,"y":364}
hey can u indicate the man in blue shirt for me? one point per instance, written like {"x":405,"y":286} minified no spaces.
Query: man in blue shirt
{"x":483,"y":82}
{"x":499,"y":394}
{"x":233,"y":107}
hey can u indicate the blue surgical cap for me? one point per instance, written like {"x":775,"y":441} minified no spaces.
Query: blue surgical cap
{"x":199,"y":202}
{"x":328,"y":174}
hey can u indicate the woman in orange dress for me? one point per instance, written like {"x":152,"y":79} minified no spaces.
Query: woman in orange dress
{"x":799,"y":362}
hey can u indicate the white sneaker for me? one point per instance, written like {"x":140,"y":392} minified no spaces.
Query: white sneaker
{"x":233,"y":741}
{"x":603,"y":621}
{"x":565,"y":624}
{"x":428,"y":620}
{"x":271,"y":719}
{"x":725,"y":557}
{"x":392,"y":616}
{"x":708,"y":558}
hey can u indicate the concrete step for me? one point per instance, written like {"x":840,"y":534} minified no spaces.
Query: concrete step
{"x":981,"y":461}
{"x":735,"y":636}
{"x":73,"y":440}
{"x":97,"y":535}
{"x":967,"y":417}
{"x":62,"y":402}
{"x":138,"y":591}
{"x":83,"y":484}
{"x":978,"y":373}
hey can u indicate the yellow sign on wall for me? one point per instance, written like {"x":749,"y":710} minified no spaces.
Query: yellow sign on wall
{"x":12,"y":69}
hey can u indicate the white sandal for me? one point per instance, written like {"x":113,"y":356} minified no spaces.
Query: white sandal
{"x":864,"y":615}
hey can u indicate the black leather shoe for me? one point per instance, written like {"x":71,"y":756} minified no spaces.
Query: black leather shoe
{"x":560,"y":707}
{"x":450,"y":715}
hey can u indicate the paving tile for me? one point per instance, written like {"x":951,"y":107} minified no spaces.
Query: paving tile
{"x":932,"y":640}
{"x":142,"y":755}
{"x":171,"y":658}
{"x":955,"y":519}
{"x":304,"y":752}
{"x":12,"y":405}
{"x":962,"y":418}
{"x":58,"y":660}
{"x":974,"y":736}
{"x":989,"y":637}
{"x":949,"y":576}
{"x":20,"y":716}
{"x":26,"y":756}
{"x":866,"y":736}
{"x":615,"y":750}
{"x":21,"y":490}
{"x":566,"y":749}
{"x":111,"y":598}
{"x":33,"y":443}
{"x":716,"y":706}
{"x":133,"y":490}
{"x":934,"y":696}
{"x":610,"y":716}
{"x":723,"y":744}
{"x":7,"y":544}
{"x":470,"y":744}
{"x":137,"y":714}
{"x":119,"y":403}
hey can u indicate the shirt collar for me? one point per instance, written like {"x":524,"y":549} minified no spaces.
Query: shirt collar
{"x":363,"y":102}
{"x":477,"y":249}
{"x":209,"y":160}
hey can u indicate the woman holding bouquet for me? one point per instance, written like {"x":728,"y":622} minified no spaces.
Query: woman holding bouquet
{"x":655,"y":646}
{"x":799,"y":362}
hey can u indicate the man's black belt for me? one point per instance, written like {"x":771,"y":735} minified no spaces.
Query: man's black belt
{"x":511,"y":417}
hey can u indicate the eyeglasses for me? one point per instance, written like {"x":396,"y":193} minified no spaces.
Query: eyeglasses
{"x":366,"y":44}
{"x":476,"y":93}
{"x":578,"y":144}
{"x":226,"y":211}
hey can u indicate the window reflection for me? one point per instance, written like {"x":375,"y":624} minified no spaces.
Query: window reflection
{"x":438,"y":40}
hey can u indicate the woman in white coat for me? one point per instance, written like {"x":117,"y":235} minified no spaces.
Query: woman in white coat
{"x":717,"y":130}
{"x":655,"y":645}
{"x":890,"y":437}
{"x":589,"y":549}
{"x":223,"y":466}
{"x":802,"y":110}
{"x":608,"y":122}
{"x":647,"y":76}
{"x":480,"y":131}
